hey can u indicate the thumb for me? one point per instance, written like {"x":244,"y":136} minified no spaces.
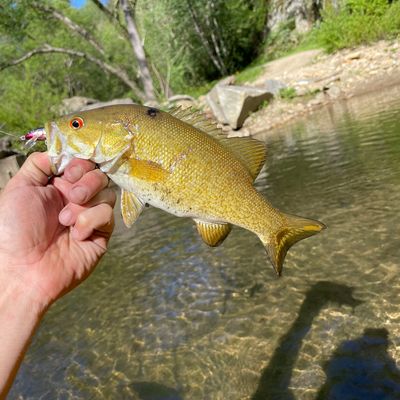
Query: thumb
{"x":35,"y":171}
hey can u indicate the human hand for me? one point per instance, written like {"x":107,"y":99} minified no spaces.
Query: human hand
{"x":53,"y":232}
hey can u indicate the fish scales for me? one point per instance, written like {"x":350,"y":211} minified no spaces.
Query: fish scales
{"x":183,"y":164}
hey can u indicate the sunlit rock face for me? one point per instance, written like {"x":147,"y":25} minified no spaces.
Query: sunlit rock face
{"x":302,"y":12}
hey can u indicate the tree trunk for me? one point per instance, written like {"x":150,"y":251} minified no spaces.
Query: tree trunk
{"x":46,"y":49}
{"x":138,"y":50}
{"x":203,"y":39}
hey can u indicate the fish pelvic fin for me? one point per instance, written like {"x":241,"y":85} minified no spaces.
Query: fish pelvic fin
{"x":131,"y":207}
{"x":292,"y":230}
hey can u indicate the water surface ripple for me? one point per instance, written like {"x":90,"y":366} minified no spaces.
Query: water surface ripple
{"x":165,"y":317}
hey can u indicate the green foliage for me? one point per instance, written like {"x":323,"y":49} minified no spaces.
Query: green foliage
{"x":186,"y":39}
{"x":288,"y":93}
{"x":31,"y":92}
{"x":357,"y":22}
{"x":23,"y":108}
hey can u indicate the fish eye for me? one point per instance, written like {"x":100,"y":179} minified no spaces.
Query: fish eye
{"x":76,"y":123}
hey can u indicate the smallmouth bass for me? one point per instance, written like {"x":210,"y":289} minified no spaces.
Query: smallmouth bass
{"x":181,"y":163}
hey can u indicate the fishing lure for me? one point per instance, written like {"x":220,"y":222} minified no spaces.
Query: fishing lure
{"x":29,"y":138}
{"x":32,"y":137}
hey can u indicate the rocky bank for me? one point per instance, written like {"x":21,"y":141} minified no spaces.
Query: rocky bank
{"x":318,"y":79}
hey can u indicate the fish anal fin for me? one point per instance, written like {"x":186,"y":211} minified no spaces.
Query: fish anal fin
{"x":147,"y":170}
{"x":293,"y":229}
{"x":212,"y":234}
{"x":131,"y":207}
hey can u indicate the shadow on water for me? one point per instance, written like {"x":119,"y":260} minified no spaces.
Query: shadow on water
{"x":275,"y":378}
{"x":362,"y":369}
{"x":155,"y":391}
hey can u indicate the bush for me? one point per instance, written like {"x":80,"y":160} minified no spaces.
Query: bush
{"x":357,"y":22}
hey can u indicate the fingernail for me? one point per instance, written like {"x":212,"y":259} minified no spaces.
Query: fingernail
{"x":78,"y":194}
{"x":75,"y":173}
{"x":65,"y":216}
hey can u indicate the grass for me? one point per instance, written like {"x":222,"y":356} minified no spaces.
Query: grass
{"x":288,"y":93}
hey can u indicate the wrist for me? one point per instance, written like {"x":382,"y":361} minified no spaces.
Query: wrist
{"x":20,"y":314}
{"x":19,"y":297}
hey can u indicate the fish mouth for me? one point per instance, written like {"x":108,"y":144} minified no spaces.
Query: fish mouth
{"x":57,"y":148}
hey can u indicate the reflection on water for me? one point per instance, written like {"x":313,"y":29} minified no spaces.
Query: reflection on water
{"x":165,"y":317}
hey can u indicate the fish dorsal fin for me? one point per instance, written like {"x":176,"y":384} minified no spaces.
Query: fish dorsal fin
{"x":250,"y":152}
{"x":212,"y":234}
{"x":131,"y":207}
{"x":199,"y":120}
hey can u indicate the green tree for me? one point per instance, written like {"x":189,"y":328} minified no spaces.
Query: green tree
{"x":49,"y":50}
{"x":192,"y":41}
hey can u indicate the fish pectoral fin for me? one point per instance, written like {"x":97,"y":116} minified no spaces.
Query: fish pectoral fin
{"x":131,"y":207}
{"x":212,"y":234}
{"x":147,"y":170}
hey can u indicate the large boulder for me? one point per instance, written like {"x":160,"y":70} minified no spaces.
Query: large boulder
{"x":232,"y":104}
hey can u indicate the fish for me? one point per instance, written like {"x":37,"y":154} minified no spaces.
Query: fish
{"x":183,"y":163}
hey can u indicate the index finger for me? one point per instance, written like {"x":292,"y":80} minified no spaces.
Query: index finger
{"x":35,"y":171}
{"x":77,"y":168}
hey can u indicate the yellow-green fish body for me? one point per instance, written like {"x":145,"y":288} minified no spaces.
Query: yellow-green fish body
{"x":183,"y":164}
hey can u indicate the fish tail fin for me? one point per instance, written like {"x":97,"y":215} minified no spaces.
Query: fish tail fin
{"x":291,"y":230}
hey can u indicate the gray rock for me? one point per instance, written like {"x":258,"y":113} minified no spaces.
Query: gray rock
{"x":304,"y":13}
{"x":79,"y":103}
{"x":334,"y":92}
{"x":180,"y":100}
{"x":237,"y":102}
{"x":9,"y":166}
{"x":317,"y":100}
{"x":6,"y":147}
{"x":74,"y":104}
{"x":213,"y":102}
{"x":302,"y":91}
{"x":274,"y":86}
{"x":356,"y":55}
{"x":114,"y":102}
{"x":181,"y":97}
{"x":212,"y":98}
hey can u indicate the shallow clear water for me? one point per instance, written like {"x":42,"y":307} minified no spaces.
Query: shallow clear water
{"x":166,"y":318}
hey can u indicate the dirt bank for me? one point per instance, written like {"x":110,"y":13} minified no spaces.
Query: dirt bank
{"x":319,"y":79}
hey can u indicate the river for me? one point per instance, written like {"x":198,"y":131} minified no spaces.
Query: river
{"x":164,"y":317}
